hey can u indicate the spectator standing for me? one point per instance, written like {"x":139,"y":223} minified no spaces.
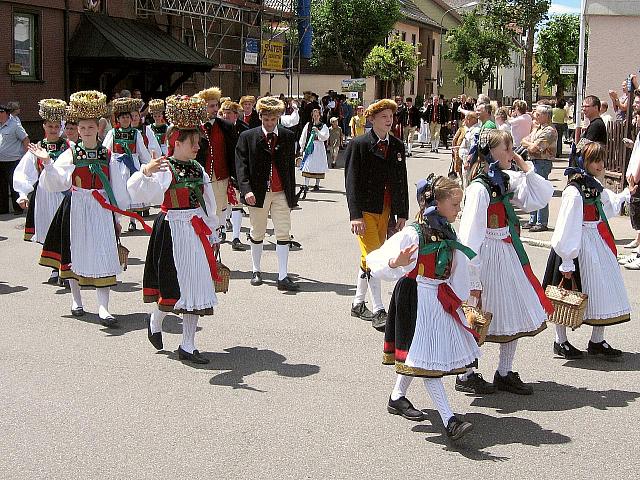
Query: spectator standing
{"x":347,"y":113}
{"x":597,"y":130}
{"x":571,"y":124}
{"x":336,"y":139}
{"x":502,"y":119}
{"x":541,"y":145}
{"x":633,"y":174}
{"x":521,"y":122}
{"x":484,"y":111}
{"x":604,"y":114}
{"x":14,"y":143}
{"x":358,"y":122}
{"x":14,"y":111}
{"x":620,"y":104}
{"x":559,"y":120}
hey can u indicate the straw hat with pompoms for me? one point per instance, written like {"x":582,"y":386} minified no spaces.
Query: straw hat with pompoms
{"x":52,"y":109}
{"x":186,"y":112}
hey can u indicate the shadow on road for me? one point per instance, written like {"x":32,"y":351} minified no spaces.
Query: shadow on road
{"x":630,"y":362}
{"x":489,"y":431}
{"x":241,"y":362}
{"x":6,"y":289}
{"x":128,"y":323}
{"x":556,"y":397}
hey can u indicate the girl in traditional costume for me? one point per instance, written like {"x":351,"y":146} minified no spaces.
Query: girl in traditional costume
{"x":501,"y":275}
{"x":426,"y":334}
{"x":180,"y":268}
{"x":158,"y":128}
{"x":314,"y":154}
{"x":82,"y":239}
{"x":584,"y":252}
{"x":41,"y":204}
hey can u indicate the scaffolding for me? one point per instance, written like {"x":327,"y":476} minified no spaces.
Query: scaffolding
{"x":220,"y":29}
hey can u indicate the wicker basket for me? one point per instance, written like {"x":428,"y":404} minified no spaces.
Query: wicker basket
{"x":569,"y":305}
{"x":123,"y":255}
{"x":478,"y":320}
{"x":224,"y":273}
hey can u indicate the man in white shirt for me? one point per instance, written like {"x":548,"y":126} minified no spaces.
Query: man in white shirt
{"x":604,"y":114}
{"x":521,"y":122}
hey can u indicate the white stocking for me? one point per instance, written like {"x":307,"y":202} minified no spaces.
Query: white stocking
{"x":75,"y":294}
{"x":157,"y":316}
{"x":103,"y":302}
{"x":375,"y":288}
{"x":435,"y":388}
{"x":402,"y":385}
{"x":236,"y":222}
{"x":507,"y":354}
{"x":189,"y":326}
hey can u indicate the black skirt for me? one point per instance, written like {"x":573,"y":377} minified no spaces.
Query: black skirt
{"x":552,"y":274}
{"x":30,"y":222}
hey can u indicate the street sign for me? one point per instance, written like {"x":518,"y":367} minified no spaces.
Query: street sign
{"x":354,"y":85}
{"x":352,"y":95}
{"x":14,"y":69}
{"x":568,"y":69}
{"x":251,"y":51}
{"x":272,"y":55}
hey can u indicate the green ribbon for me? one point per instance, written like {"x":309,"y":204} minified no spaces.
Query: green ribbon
{"x":443,"y":250}
{"x":192,"y":183}
{"x":95,"y":167}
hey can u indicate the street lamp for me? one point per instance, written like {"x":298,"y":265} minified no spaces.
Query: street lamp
{"x":466,"y":5}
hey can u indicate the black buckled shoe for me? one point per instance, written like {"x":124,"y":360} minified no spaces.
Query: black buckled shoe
{"x":379,"y":320}
{"x":53,"y":278}
{"x":474,"y":384}
{"x":288,"y":285}
{"x":194,"y":357}
{"x":405,"y":408}
{"x":77,"y":312}
{"x":132,"y":226}
{"x":237,"y":245}
{"x":566,"y":350}
{"x":361,"y":311}
{"x":109,"y":322}
{"x":256,"y":279}
{"x":604,"y":349}
{"x":511,"y":383}
{"x":456,"y":428}
{"x":316,"y":188}
{"x":154,"y":338}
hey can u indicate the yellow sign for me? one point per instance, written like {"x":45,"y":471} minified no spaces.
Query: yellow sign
{"x":14,"y":69}
{"x":272,"y":55}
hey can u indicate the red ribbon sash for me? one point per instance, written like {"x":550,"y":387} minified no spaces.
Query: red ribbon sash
{"x":451,"y":303}
{"x":106,"y":205}
{"x":203,"y":231}
{"x":605,"y":233}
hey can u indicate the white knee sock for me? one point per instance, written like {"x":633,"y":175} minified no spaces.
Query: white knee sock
{"x":103,"y":302}
{"x":236,"y":222}
{"x":317,"y":182}
{"x":464,"y":376}
{"x":375,"y":287}
{"x":256,"y":254}
{"x":157,"y":316}
{"x":435,"y":388}
{"x":75,"y":293}
{"x":227,"y":212}
{"x":561,"y":334}
{"x":361,"y":288}
{"x":189,"y":326}
{"x":507,"y":354}
{"x":283,"y":260}
{"x":306,"y":181}
{"x":409,"y":147}
{"x":597,"y":334}
{"x":402,"y":385}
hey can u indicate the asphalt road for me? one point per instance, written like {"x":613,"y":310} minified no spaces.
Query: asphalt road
{"x":295,"y":387}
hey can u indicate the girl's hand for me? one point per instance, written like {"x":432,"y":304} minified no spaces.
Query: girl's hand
{"x":39,"y":152}
{"x":519,"y":161}
{"x":404,"y":257}
{"x":155,"y":165}
{"x":476,"y":294}
{"x":633,"y":186}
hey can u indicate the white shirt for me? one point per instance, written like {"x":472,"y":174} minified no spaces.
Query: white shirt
{"x":520,"y":127}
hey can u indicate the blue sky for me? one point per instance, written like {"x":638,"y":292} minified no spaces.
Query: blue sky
{"x":565,"y":6}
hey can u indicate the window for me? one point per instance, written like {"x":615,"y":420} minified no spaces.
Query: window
{"x":404,"y":36}
{"x":25,"y":45}
{"x":413,"y":39}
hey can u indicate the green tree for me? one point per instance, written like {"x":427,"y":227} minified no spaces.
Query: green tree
{"x":395,"y":62}
{"x":477,"y":48}
{"x":345,"y":31}
{"x":558,"y":43}
{"x":517,"y":18}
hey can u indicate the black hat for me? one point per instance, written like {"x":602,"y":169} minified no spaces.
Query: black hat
{"x":4,"y":108}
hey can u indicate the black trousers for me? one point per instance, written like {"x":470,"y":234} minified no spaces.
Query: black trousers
{"x":6,"y":187}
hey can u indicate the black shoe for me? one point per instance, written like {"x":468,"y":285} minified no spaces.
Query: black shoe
{"x":379,"y":320}
{"x":132,"y":226}
{"x":566,"y":350}
{"x":474,"y":384}
{"x":229,"y":226}
{"x":456,"y":428}
{"x":154,"y":338}
{"x":194,"y":357}
{"x":361,"y":311}
{"x":333,"y":164}
{"x":256,"y":280}
{"x":77,"y":312}
{"x":404,"y":408}
{"x":288,"y":285}
{"x":54,"y":278}
{"x":539,"y":228}
{"x":109,"y":322}
{"x":18,"y":212}
{"x":511,"y":383}
{"x":237,"y":245}
{"x":316,"y":188}
{"x":527,"y":226}
{"x":603,"y":348}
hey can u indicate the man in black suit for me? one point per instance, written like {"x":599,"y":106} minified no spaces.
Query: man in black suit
{"x":265,"y":165}
{"x":217,"y":151}
{"x":376,"y":186}
{"x":435,"y":115}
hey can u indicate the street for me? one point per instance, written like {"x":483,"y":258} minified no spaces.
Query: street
{"x":295,"y":387}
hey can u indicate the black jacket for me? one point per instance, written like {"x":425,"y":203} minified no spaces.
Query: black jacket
{"x":441,"y":114}
{"x":414,"y":116}
{"x":367,"y":171}
{"x":253,"y":163}
{"x":230,"y":138}
{"x":254,"y":119}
